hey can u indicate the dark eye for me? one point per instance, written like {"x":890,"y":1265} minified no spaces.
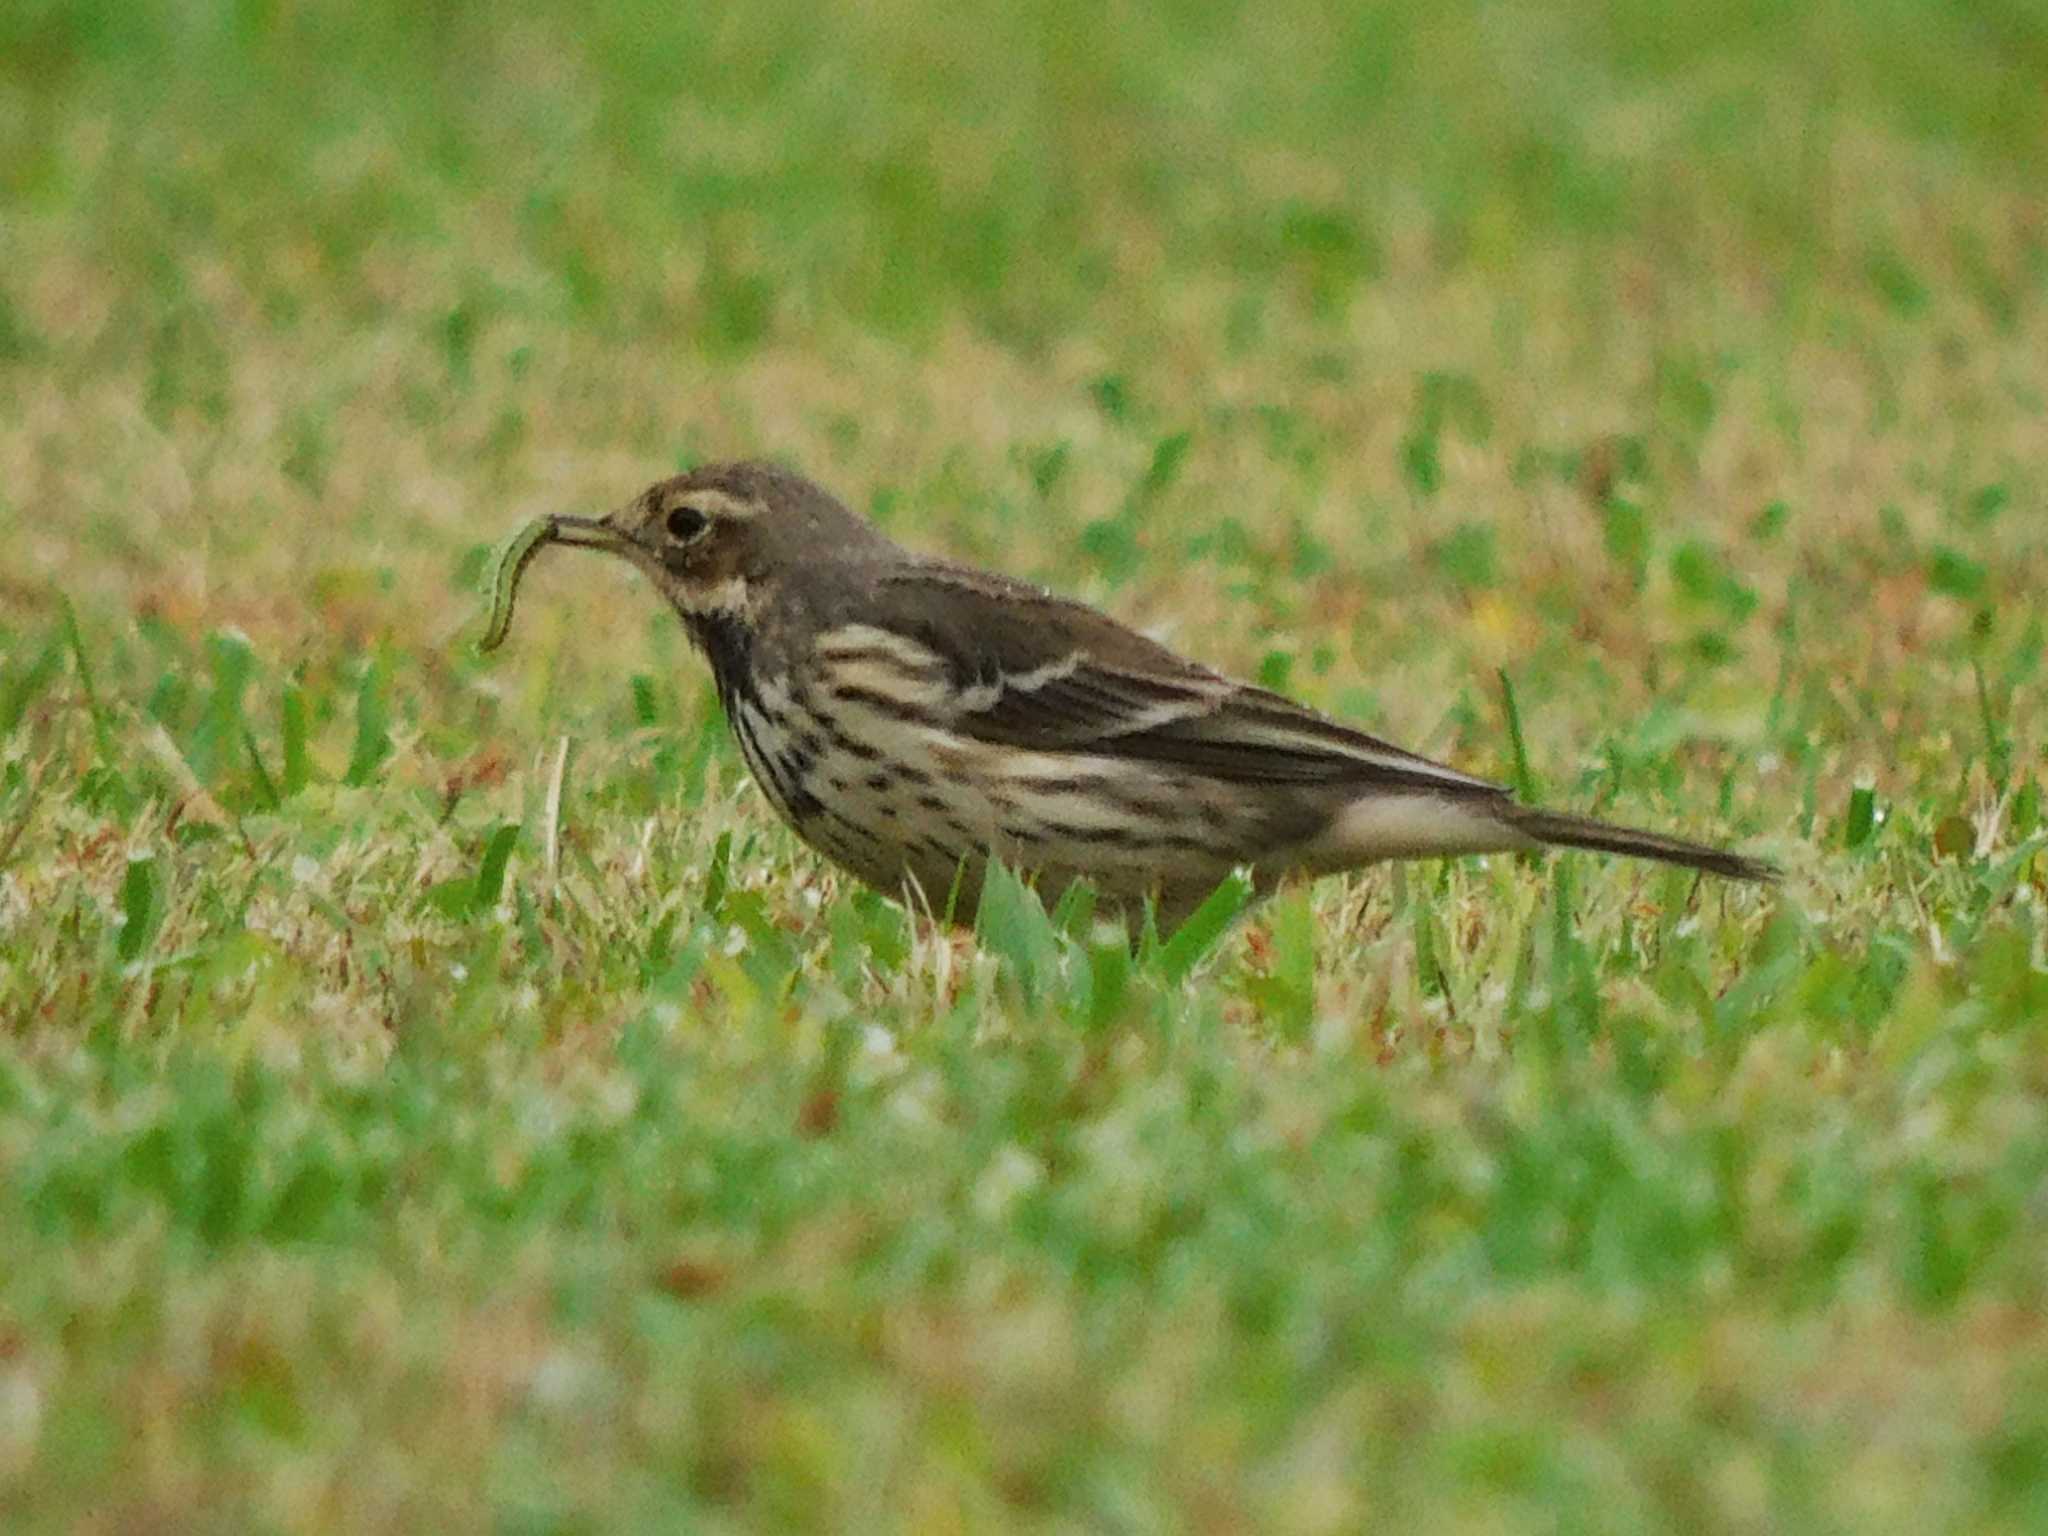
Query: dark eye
{"x":685,"y":523}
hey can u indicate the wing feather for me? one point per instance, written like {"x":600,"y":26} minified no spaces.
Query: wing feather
{"x":1036,"y":671}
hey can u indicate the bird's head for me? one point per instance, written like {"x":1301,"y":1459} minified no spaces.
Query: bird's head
{"x":719,"y":540}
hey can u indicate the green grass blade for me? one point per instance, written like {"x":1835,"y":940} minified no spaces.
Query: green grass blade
{"x":1198,"y":935}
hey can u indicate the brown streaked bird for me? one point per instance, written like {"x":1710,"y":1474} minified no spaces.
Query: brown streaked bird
{"x":910,"y":717}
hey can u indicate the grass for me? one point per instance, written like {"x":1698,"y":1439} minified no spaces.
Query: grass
{"x":435,"y":1094}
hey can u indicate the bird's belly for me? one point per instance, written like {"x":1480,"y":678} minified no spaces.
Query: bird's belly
{"x":900,"y":801}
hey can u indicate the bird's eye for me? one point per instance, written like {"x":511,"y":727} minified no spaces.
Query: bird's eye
{"x":685,"y":523}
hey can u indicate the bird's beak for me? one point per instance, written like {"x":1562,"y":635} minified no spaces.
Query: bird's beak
{"x":591,"y":533}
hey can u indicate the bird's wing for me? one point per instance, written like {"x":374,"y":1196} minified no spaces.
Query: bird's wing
{"x":1023,"y":668}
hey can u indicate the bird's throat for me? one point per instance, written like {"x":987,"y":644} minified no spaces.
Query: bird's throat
{"x":728,"y":644}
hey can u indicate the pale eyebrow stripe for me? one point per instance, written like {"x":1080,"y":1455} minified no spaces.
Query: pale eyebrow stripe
{"x":718,"y":503}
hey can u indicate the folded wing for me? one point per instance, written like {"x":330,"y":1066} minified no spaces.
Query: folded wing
{"x":1038,"y":672}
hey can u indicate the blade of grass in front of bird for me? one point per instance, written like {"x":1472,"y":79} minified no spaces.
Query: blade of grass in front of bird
{"x":141,"y":908}
{"x":551,"y":815}
{"x":490,"y":873}
{"x":298,"y":768}
{"x":1194,"y":938}
{"x":1997,"y":750}
{"x":373,"y":736}
{"x":1524,"y":781}
{"x":266,"y":787}
{"x":102,"y":737}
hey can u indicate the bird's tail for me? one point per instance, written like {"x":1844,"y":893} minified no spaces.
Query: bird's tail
{"x":1560,"y":829}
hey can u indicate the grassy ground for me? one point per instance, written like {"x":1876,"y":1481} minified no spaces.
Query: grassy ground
{"x":435,"y":1095}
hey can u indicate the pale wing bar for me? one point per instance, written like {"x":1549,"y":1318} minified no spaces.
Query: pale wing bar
{"x":1072,"y":680}
{"x":1209,"y":726}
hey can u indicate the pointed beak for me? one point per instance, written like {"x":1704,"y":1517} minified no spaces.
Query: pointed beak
{"x":591,"y":533}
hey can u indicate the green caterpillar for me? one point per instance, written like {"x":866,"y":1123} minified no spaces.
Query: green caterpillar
{"x":513,"y":559}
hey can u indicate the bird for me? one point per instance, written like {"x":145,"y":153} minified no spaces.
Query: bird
{"x":912,"y":719}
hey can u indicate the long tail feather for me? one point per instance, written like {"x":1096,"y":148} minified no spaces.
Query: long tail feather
{"x":1561,"y":829}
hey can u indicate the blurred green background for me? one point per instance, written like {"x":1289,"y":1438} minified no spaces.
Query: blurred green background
{"x":434,"y":1094}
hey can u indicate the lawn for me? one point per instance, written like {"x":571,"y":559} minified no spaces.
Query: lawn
{"x":437,"y":1095}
